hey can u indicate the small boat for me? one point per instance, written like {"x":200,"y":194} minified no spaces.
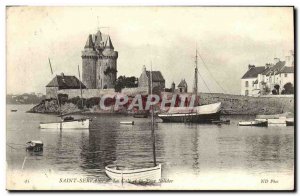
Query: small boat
{"x":290,"y":122}
{"x":149,"y":175}
{"x":35,"y":146}
{"x":13,"y":110}
{"x":141,"y":115}
{"x":135,"y":176}
{"x":82,"y":123}
{"x":220,"y":121}
{"x":281,"y":121}
{"x":257,"y":123}
{"x":127,"y":122}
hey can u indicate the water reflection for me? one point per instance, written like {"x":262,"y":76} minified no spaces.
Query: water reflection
{"x":181,"y":148}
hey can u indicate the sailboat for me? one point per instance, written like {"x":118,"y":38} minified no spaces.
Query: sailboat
{"x":141,"y":175}
{"x":67,"y":122}
{"x":197,"y":114}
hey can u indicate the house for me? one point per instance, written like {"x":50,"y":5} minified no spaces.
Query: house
{"x":60,"y":82}
{"x":182,"y":86}
{"x":249,"y":80}
{"x":268,"y":79}
{"x":158,"y":80}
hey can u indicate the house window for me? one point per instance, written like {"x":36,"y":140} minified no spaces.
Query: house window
{"x":246,"y":92}
{"x":246,"y":83}
{"x":285,"y":75}
{"x":252,"y":83}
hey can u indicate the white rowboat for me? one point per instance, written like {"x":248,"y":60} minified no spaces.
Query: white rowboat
{"x":127,"y":122}
{"x":145,"y":175}
{"x":73,"y":124}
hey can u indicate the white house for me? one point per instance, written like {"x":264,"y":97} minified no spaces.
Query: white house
{"x":264,"y":79}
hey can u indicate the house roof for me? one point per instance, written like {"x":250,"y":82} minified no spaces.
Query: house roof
{"x":156,"y":76}
{"x":275,"y":69}
{"x":182,"y":83}
{"x":253,"y":72}
{"x":287,"y":70}
{"x":65,"y":82}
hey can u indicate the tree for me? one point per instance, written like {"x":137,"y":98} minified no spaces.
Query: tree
{"x":276,"y":87}
{"x":265,"y":89}
{"x":125,"y":82}
{"x":288,"y":89}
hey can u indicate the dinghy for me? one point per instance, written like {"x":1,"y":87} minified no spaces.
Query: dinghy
{"x":35,"y":146}
{"x":68,"y":124}
{"x":257,"y":123}
{"x":149,"y":175}
{"x":127,"y":122}
{"x":290,"y":122}
{"x":136,"y":176}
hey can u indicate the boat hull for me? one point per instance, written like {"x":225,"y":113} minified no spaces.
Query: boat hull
{"x":74,"y":124}
{"x":254,"y":123}
{"x":146,"y":175}
{"x":199,"y":114}
{"x":190,"y":118}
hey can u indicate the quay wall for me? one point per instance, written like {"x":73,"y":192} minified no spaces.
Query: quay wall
{"x":238,"y":104}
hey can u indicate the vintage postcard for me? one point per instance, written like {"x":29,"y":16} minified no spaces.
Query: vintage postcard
{"x":150,"y":98}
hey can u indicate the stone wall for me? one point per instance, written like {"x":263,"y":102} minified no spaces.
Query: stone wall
{"x":237,"y":104}
{"x":89,"y":93}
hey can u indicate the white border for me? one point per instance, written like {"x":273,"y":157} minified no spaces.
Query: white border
{"x":4,"y":3}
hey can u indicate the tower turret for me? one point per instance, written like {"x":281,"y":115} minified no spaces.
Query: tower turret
{"x":107,"y":66}
{"x":89,"y":61}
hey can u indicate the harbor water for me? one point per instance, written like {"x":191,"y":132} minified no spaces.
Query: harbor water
{"x":192,"y":155}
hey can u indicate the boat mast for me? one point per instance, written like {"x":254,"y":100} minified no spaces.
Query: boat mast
{"x":196,"y":74}
{"x":152,"y":120}
{"x":59,"y":107}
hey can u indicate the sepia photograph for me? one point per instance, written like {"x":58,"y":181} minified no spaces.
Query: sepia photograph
{"x":158,"y":98}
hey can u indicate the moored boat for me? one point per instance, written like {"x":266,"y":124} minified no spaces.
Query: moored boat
{"x":82,"y":123}
{"x":127,"y":122}
{"x":13,"y":110}
{"x":144,"y":175}
{"x":257,"y":123}
{"x":35,"y":146}
{"x":150,"y":175}
{"x":199,"y":114}
{"x":290,"y":122}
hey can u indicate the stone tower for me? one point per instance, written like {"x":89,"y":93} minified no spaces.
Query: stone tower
{"x":89,"y":61}
{"x":99,"y":62}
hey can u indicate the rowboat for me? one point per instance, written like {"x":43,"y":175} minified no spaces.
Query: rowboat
{"x":290,"y":122}
{"x":135,"y":176}
{"x":35,"y":146}
{"x":13,"y":110}
{"x":281,"y":121}
{"x":257,"y":123}
{"x":148,"y":175}
{"x":82,"y":123}
{"x":127,"y":122}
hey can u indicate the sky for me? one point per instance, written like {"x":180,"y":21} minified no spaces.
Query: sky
{"x":227,"y":39}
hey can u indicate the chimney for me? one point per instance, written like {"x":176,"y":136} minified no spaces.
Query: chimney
{"x":268,"y":65}
{"x":276,"y":60}
{"x":250,"y":66}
